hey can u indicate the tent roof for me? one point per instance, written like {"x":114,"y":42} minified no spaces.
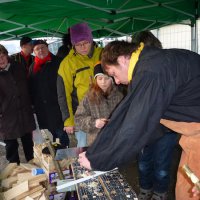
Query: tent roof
{"x":107,"y":18}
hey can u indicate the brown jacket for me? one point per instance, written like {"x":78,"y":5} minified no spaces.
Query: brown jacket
{"x":189,"y":142}
{"x":16,"y":117}
{"x":87,"y":113}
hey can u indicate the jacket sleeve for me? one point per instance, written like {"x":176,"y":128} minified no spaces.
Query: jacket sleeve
{"x":66,"y":74}
{"x":62,"y":98}
{"x":83,"y":118}
{"x":133,"y":123}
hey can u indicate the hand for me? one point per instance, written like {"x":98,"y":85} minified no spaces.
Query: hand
{"x":69,"y":129}
{"x":84,"y":162}
{"x":100,"y":123}
{"x":195,"y":191}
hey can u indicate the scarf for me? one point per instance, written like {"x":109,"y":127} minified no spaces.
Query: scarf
{"x":26,"y":57}
{"x":133,"y":61}
{"x":38,"y":62}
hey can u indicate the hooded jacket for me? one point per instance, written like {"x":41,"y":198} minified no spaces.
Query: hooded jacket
{"x":165,"y":84}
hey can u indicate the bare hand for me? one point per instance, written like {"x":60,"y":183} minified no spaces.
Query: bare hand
{"x":100,"y":123}
{"x":69,"y":129}
{"x":84,"y":162}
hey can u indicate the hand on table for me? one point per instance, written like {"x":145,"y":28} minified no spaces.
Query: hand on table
{"x":84,"y":162}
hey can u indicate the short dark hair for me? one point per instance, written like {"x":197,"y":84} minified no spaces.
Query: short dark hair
{"x":25,"y":40}
{"x":147,"y":38}
{"x":115,"y":49}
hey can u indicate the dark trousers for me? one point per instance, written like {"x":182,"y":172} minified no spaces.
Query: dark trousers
{"x":62,"y":135}
{"x":12,"y":154}
{"x":155,"y":161}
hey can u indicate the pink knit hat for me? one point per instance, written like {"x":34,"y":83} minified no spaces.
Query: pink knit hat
{"x":80,"y":32}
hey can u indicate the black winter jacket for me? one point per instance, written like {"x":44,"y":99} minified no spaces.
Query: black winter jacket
{"x":44,"y":95}
{"x":16,"y":116}
{"x":165,"y":84}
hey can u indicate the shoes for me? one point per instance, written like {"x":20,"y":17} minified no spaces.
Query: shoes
{"x":145,"y":194}
{"x":159,"y":196}
{"x":150,"y":195}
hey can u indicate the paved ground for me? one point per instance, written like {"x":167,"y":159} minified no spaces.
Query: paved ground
{"x":129,"y":171}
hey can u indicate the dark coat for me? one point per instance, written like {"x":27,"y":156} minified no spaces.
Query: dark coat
{"x":16,"y":116}
{"x":20,"y":59}
{"x":44,"y":95}
{"x":165,"y":84}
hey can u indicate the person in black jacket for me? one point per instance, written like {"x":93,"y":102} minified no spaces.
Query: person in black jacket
{"x":154,"y":161}
{"x":16,"y":116}
{"x":43,"y":89}
{"x":24,"y":57}
{"x":163,"y":83}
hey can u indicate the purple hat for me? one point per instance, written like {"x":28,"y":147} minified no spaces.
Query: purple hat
{"x":80,"y":32}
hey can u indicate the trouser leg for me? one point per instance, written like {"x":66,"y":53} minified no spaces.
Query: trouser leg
{"x":81,"y":138}
{"x":27,"y":143}
{"x":164,"y":149}
{"x":145,"y":167}
{"x":12,"y":151}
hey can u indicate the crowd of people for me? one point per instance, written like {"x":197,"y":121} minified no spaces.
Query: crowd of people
{"x":77,"y":93}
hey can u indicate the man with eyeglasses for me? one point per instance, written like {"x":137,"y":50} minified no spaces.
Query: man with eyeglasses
{"x":43,"y":77}
{"x":74,"y":77}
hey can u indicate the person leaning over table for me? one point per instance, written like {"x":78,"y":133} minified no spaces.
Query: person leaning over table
{"x":74,"y":76}
{"x":155,"y":159}
{"x":163,"y":83}
{"x":16,"y":115}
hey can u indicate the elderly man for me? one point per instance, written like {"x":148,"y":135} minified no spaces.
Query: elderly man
{"x":43,"y":77}
{"x":163,"y":83}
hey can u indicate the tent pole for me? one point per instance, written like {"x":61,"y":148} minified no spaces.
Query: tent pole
{"x":194,"y":37}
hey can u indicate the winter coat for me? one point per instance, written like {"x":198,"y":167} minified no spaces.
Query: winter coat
{"x":87,"y":113}
{"x":44,"y":95}
{"x":16,"y":116}
{"x":74,"y":77}
{"x":20,"y":59}
{"x":165,"y":84}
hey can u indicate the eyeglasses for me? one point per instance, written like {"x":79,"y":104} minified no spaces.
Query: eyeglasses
{"x":83,"y":44}
{"x":42,"y":47}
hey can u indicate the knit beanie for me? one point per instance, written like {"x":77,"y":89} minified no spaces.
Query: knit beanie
{"x":80,"y":32}
{"x":98,"y":70}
